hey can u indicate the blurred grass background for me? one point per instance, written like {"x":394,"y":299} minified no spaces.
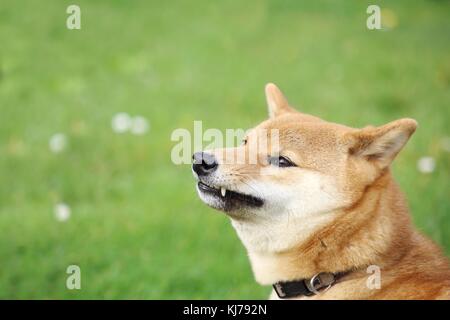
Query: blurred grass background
{"x":137,"y":228}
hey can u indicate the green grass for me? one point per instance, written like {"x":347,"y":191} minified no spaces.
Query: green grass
{"x":137,"y":228}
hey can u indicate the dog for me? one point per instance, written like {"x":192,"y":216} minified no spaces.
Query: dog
{"x":319,"y":212}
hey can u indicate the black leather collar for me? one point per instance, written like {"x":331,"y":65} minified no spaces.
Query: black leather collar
{"x":307,"y":287}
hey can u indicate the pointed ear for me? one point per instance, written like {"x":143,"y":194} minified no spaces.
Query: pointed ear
{"x":381,"y":144}
{"x":276,"y":101}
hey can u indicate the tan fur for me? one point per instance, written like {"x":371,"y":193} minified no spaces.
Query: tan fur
{"x":376,"y":231}
{"x":365,"y":222}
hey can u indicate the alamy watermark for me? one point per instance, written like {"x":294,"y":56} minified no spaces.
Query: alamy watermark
{"x":373,"y":22}
{"x":73,"y":281}
{"x":374,"y":280}
{"x":264,"y":143}
{"x":73,"y":21}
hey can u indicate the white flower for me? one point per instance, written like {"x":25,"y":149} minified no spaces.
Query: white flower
{"x":57,"y":142}
{"x":62,"y":212}
{"x":139,"y":125}
{"x":426,"y":164}
{"x":121,"y":122}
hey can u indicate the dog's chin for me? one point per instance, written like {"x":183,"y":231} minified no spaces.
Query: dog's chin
{"x":232,"y":203}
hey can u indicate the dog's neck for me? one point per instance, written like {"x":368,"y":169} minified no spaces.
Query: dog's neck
{"x":367,"y":233}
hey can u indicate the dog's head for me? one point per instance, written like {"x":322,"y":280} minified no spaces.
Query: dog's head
{"x":279,"y":191}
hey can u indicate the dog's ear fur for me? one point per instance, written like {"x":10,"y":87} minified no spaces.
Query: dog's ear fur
{"x":381,"y":144}
{"x":276,"y":101}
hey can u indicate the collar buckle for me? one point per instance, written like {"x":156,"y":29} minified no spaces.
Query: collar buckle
{"x":320,"y":281}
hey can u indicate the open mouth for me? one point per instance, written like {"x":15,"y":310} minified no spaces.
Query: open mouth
{"x":229,"y":200}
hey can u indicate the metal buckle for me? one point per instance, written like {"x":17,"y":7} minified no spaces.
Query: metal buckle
{"x":320,"y":281}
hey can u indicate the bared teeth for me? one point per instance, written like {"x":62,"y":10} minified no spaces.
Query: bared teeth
{"x":223,"y":192}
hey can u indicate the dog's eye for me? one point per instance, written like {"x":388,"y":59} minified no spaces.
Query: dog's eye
{"x":244,"y":142}
{"x":281,"y":162}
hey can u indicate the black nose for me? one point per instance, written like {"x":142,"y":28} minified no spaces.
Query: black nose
{"x":204,"y":163}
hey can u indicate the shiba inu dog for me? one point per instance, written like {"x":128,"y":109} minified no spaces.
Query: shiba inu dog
{"x":320,"y":206}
